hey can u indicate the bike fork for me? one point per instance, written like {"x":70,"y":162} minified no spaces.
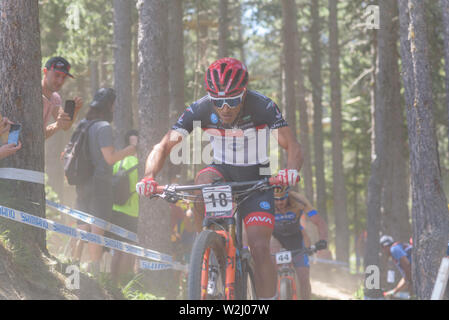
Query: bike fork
{"x":230,"y":265}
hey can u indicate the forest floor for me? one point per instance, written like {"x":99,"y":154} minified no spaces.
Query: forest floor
{"x":42,"y":278}
{"x":327,"y":284}
{"x":333,"y":284}
{"x":25,"y":276}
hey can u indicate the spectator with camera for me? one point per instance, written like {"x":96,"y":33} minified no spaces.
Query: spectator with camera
{"x":7,"y":149}
{"x":56,"y":71}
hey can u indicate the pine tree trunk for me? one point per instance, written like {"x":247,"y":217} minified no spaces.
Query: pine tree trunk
{"x":223,"y":29}
{"x":339,"y":187}
{"x":21,"y":102}
{"x":395,"y":220}
{"x":317,"y":92}
{"x":123,"y":113}
{"x":429,"y":209}
{"x":304,"y":136}
{"x":154,"y":230}
{"x":175,"y":67}
{"x":374,"y":187}
{"x":288,"y":33}
{"x":444,"y":4}
{"x":240,"y":27}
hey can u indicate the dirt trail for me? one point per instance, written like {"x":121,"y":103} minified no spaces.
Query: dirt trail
{"x":333,"y":284}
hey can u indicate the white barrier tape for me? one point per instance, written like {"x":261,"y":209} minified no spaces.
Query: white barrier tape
{"x":90,"y":219}
{"x":22,"y":175}
{"x":151,"y":265}
{"x":49,"y":225}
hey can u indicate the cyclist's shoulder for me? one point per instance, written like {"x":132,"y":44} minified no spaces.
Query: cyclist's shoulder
{"x":258,"y":100}
{"x":200,"y":105}
{"x":198,"y":109}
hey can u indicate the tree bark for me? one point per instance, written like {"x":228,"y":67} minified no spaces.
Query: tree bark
{"x":288,"y":33}
{"x":317,"y":93}
{"x":444,"y":4}
{"x":175,"y":67}
{"x":395,"y":220}
{"x":123,"y":113}
{"x":429,"y":209}
{"x":374,"y":187}
{"x":303,"y":116}
{"x":154,"y":230}
{"x":241,"y":41}
{"x":223,"y":29}
{"x":21,"y":102}
{"x":339,"y":188}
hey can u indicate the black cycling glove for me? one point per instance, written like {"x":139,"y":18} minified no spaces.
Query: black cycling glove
{"x":321,"y":245}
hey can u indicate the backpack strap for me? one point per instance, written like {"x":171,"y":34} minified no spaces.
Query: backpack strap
{"x":130,"y":169}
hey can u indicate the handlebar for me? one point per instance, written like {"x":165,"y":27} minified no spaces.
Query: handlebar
{"x":272,"y":181}
{"x":308,"y":251}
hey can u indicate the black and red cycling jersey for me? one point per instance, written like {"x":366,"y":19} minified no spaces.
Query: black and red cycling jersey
{"x":242,"y":143}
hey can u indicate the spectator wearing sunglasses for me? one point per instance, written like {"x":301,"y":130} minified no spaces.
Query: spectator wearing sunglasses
{"x":239,"y":122}
{"x":56,"y":71}
{"x":289,"y":233}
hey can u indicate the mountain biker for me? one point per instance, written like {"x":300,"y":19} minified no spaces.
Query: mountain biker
{"x":402,"y":257}
{"x":288,"y":232}
{"x":238,"y":121}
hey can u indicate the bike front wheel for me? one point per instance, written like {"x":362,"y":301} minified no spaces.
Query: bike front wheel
{"x":285,"y":289}
{"x":207,"y":268}
{"x":247,"y":284}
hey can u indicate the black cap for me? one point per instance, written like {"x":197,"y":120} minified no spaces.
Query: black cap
{"x":59,"y":64}
{"x":104,"y":97}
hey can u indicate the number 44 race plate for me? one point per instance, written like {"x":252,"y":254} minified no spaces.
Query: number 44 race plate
{"x":283,"y":257}
{"x":218,"y":201}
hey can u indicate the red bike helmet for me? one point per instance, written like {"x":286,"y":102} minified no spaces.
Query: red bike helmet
{"x":226,"y":77}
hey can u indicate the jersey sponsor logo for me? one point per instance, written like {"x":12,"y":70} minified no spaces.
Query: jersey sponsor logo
{"x":289,"y":216}
{"x":259,"y":219}
{"x":265,"y":205}
{"x":213,"y":118}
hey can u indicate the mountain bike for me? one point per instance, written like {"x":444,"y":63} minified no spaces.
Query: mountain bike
{"x":220,"y":267}
{"x":287,"y":288}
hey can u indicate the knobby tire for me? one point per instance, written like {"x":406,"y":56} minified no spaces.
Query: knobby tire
{"x":207,"y":239}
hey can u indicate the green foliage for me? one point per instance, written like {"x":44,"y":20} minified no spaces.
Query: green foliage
{"x":132,"y":291}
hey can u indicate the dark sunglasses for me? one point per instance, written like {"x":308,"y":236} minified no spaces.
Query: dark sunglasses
{"x":231,"y":102}
{"x":281,"y":198}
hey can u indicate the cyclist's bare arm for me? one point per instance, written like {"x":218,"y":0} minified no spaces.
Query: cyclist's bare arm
{"x":317,"y":220}
{"x":305,"y":236}
{"x":288,"y":141}
{"x":321,"y":225}
{"x":159,"y":153}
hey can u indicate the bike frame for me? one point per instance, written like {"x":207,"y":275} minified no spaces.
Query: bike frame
{"x":288,"y":270}
{"x":231,"y":229}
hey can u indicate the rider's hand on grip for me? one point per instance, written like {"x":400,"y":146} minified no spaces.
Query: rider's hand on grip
{"x":288,"y":177}
{"x":321,"y":245}
{"x":146,"y":187}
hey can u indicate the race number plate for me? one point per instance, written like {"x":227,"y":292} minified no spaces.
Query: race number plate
{"x":218,"y":201}
{"x":283,"y":257}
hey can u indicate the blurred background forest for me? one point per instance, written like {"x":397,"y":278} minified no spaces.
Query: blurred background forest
{"x":83,"y":32}
{"x":337,"y":69}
